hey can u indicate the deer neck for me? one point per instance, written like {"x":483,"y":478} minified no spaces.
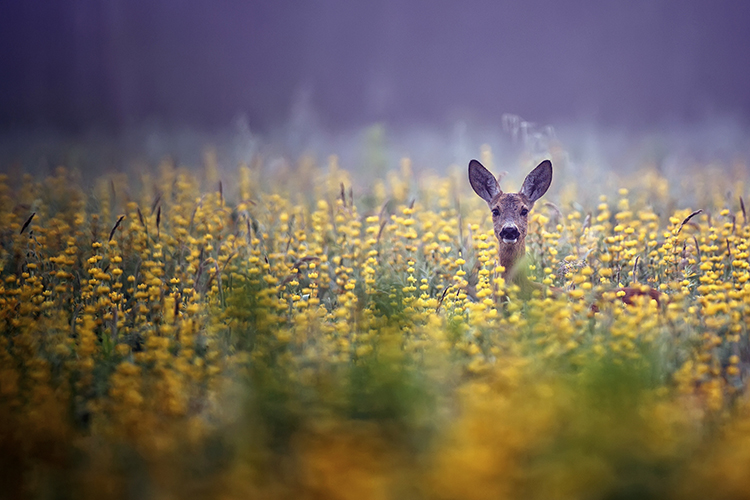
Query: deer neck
{"x":510,"y":257}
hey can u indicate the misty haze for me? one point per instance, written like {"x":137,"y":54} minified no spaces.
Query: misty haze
{"x":305,"y":74}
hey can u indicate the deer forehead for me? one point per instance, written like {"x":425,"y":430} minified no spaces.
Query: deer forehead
{"x":510,"y":202}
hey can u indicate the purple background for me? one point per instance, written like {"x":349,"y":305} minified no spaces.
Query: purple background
{"x":78,"y":65}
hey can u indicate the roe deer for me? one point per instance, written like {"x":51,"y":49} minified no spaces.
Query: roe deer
{"x":510,"y":212}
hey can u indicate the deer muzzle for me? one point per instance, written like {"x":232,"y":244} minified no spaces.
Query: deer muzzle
{"x":509,"y":233}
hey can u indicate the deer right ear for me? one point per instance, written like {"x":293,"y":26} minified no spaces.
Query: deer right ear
{"x":538,"y":181}
{"x":483,"y":182}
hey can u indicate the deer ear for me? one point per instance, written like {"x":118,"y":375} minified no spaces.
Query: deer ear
{"x":483,"y":182}
{"x":538,"y":181}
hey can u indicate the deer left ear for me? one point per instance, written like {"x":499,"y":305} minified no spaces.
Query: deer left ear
{"x":483,"y":182}
{"x":538,"y":181}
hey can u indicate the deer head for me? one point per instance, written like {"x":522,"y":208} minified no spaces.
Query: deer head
{"x":510,"y":210}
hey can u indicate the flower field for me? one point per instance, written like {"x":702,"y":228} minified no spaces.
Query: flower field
{"x":205,"y":333}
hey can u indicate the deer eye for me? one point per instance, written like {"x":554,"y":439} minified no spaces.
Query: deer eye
{"x":524,"y":212}
{"x":495,"y":212}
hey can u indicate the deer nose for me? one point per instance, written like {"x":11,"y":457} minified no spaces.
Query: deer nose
{"x":509,"y":233}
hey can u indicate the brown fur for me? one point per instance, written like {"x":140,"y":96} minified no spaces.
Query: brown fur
{"x":510,"y":210}
{"x":510,"y":206}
